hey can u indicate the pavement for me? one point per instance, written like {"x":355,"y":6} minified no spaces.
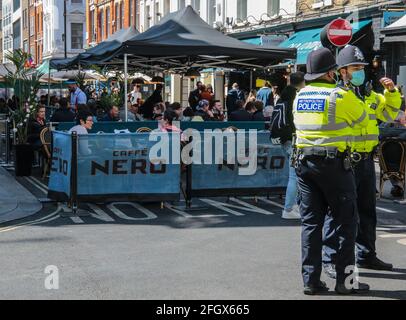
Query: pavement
{"x":16,"y":202}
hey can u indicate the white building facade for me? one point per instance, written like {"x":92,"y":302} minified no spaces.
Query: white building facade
{"x":224,"y":14}
{"x":54,"y":42}
{"x":12,"y":26}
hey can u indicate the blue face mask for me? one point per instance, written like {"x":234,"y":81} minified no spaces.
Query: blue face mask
{"x":358,"y":78}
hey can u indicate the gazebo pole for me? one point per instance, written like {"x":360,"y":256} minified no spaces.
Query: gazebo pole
{"x":49,"y":83}
{"x":125,"y":86}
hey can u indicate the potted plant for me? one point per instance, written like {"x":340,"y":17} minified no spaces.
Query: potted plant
{"x":25,"y":84}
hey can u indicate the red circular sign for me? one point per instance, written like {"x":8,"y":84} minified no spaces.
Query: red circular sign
{"x":339,"y":32}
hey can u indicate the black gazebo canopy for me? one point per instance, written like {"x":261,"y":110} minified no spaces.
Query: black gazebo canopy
{"x":182,"y":40}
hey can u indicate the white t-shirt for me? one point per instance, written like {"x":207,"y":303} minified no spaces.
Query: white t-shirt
{"x":83,"y":145}
{"x":79,"y":129}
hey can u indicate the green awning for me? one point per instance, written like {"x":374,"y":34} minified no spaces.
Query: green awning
{"x":308,"y":40}
{"x":255,"y":41}
{"x":44,"y":68}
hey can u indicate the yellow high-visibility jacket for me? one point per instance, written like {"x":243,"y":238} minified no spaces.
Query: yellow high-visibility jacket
{"x":384,"y":107}
{"x":325,"y":115}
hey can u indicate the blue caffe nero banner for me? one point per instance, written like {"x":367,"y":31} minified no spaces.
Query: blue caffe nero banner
{"x":120,"y":164}
{"x":115,"y":166}
{"x":248,"y":162}
{"x":59,"y":181}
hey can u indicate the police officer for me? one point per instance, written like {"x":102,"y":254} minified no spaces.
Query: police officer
{"x":324,"y":116}
{"x":351,"y":64}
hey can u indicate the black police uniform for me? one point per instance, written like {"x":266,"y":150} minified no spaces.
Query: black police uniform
{"x":326,"y":186}
{"x":365,"y":180}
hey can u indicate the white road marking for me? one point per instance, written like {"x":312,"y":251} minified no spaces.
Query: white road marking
{"x":99,"y":213}
{"x":180,"y":212}
{"x":253,"y":208}
{"x":77,"y":220}
{"x":32,"y":182}
{"x":263,"y":199}
{"x":223,"y":206}
{"x":54,"y":215}
{"x":149,"y":214}
{"x":385,"y":210}
{"x":402,"y":241}
{"x":187,"y":215}
{"x":39,"y":182}
{"x":393,"y":235}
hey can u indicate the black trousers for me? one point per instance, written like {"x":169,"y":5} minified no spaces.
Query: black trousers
{"x":326,"y":188}
{"x":365,"y":178}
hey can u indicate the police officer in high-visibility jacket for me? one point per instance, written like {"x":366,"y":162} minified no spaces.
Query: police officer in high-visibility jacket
{"x":351,"y":64}
{"x":324,"y":116}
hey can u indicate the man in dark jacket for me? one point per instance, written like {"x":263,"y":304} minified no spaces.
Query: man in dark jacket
{"x":234,"y":95}
{"x":147,"y":109}
{"x":194,"y":96}
{"x":63,"y":114}
{"x":240,"y":114}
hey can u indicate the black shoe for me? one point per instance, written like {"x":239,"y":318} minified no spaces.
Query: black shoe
{"x":375,"y":264}
{"x":330,"y":270}
{"x":361,"y":288}
{"x":312,"y":289}
{"x":397,"y":191}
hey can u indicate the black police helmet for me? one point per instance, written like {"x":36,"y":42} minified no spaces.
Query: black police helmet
{"x":350,"y":56}
{"x":319,"y":62}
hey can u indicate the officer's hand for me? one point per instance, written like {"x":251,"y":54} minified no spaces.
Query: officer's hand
{"x":388,"y":84}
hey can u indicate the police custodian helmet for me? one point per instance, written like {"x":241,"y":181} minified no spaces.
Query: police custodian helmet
{"x":319,"y":62}
{"x":350,"y":56}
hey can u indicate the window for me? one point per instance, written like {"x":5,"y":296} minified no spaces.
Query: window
{"x":131,"y":13}
{"x":101,"y":25}
{"x":196,"y":5}
{"x":137,"y":15}
{"x":16,"y":5}
{"x":17,"y":34}
{"x":273,"y":7}
{"x":25,"y":46}
{"x":108,"y":30}
{"x":167,"y":6}
{"x":117,"y":15}
{"x":156,"y":16}
{"x":32,"y":26}
{"x":91,"y":27}
{"x":77,"y":35}
{"x":181,"y":4}
{"x":211,"y":12}
{"x":147,"y":22}
{"x":241,"y":9}
{"x":122,"y":15}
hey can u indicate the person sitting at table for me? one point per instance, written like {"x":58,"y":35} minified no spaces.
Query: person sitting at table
{"x":134,"y":113}
{"x":177,"y":107}
{"x":259,"y":113}
{"x":64,"y":113}
{"x":240,"y":114}
{"x":204,"y":112}
{"x":112,"y":115}
{"x":158,"y":111}
{"x":84,"y":122}
{"x":35,"y":126}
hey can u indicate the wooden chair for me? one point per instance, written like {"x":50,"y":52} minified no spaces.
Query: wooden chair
{"x":143,"y":130}
{"x":392,"y":160}
{"x":46,"y":140}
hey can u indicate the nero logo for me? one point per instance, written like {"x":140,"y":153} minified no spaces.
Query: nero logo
{"x":311,"y":105}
